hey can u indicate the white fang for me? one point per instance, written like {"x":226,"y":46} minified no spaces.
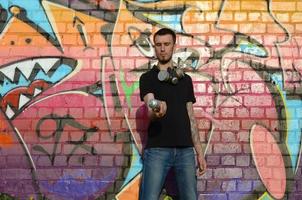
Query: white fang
{"x":9,"y":112}
{"x":47,"y":63}
{"x":37,"y":91}
{"x":26,"y":67}
{"x":23,"y":100}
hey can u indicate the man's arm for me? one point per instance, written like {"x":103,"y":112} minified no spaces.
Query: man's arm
{"x":153,"y":114}
{"x":196,"y":140}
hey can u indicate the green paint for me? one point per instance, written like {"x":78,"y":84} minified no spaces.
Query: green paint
{"x":266,"y":196}
{"x":4,"y":196}
{"x":129,"y":90}
{"x":168,"y":198}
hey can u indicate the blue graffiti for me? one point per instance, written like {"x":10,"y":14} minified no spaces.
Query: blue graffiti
{"x":250,"y":48}
{"x":34,"y":12}
{"x":61,"y":72}
{"x":136,"y":165}
{"x":8,"y":85}
{"x":69,"y":186}
{"x":172,"y":21}
{"x":98,"y":92}
{"x":294,"y":127}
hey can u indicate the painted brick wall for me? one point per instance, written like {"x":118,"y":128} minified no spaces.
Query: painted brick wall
{"x":73,"y":127}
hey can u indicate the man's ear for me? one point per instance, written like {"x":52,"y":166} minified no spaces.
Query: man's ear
{"x":174,"y":47}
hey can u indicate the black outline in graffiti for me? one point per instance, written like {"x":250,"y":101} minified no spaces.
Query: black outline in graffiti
{"x":36,"y":69}
{"x":23,"y":17}
{"x":61,"y":122}
{"x":3,"y":18}
{"x":77,"y":22}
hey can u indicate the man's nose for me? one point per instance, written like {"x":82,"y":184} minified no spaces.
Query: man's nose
{"x":162,"y":48}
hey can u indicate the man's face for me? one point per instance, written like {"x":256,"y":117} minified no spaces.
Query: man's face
{"x":164,"y":47}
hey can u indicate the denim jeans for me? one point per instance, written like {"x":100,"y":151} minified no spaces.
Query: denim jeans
{"x":156,"y":164}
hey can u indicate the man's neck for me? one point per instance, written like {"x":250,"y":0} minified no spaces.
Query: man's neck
{"x":164,"y":66}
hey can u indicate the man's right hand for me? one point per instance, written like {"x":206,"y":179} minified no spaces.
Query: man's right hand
{"x":161,"y":111}
{"x":155,"y":113}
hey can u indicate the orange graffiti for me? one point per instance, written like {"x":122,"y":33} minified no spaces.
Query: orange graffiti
{"x":5,"y":140}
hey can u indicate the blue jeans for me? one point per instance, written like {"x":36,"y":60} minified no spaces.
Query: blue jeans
{"x":156,"y":164}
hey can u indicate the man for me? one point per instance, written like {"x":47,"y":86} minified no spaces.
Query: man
{"x":172,"y":132}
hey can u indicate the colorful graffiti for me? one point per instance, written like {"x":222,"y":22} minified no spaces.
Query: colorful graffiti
{"x":72,"y":124}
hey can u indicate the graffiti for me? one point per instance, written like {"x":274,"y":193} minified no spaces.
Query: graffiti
{"x":72,"y":125}
{"x":60,"y":123}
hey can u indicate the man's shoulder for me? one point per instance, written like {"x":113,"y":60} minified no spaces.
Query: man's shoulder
{"x":148,"y":73}
{"x":187,"y":77}
{"x":146,"y":76}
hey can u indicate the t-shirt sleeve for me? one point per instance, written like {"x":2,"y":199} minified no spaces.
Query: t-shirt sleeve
{"x":191,"y":96}
{"x":145,"y":86}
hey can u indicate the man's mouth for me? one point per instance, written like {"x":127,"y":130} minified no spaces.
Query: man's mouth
{"x":22,"y":81}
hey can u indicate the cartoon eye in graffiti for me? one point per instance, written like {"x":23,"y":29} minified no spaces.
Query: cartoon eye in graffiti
{"x":186,"y":57}
{"x":142,"y":41}
{"x":248,"y":45}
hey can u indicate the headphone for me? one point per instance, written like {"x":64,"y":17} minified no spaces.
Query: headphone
{"x":172,"y":75}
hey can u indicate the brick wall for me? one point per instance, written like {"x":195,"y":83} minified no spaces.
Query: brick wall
{"x":73,"y":126}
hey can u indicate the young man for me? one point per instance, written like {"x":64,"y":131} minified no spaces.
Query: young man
{"x":172,"y":132}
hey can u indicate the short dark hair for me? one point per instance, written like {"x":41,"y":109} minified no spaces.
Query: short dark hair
{"x":165,"y":31}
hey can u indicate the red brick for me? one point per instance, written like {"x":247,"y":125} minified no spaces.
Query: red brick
{"x":47,"y":147}
{"x":250,"y":173}
{"x":60,"y":161}
{"x":211,"y":16}
{"x":256,"y":5}
{"x":243,"y":136}
{"x":17,"y":174}
{"x":109,"y":148}
{"x":229,"y":186}
{"x":106,"y":161}
{"x":213,"y":160}
{"x":263,"y":100}
{"x":216,"y":136}
{"x":121,"y":160}
{"x":233,"y":101}
{"x":228,"y":160}
{"x":231,"y":125}
{"x":228,"y":137}
{"x":283,"y":17}
{"x":257,"y":87}
{"x":222,"y":173}
{"x":299,"y":6}
{"x":201,"y":28}
{"x":243,"y":161}
{"x":50,"y":174}
{"x":240,"y":16}
{"x":257,"y":112}
{"x":43,"y":161}
{"x":244,"y":185}
{"x":284,"y":6}
{"x":242,"y":112}
{"x":227,"y":112}
{"x":254,"y":16}
{"x":229,"y":148}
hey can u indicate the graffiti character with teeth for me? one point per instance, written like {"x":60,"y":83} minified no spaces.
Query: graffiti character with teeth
{"x":54,"y":134}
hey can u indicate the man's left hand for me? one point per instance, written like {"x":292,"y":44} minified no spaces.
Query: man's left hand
{"x":202,"y":165}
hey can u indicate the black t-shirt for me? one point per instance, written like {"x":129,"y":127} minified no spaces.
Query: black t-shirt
{"x":173,"y":129}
